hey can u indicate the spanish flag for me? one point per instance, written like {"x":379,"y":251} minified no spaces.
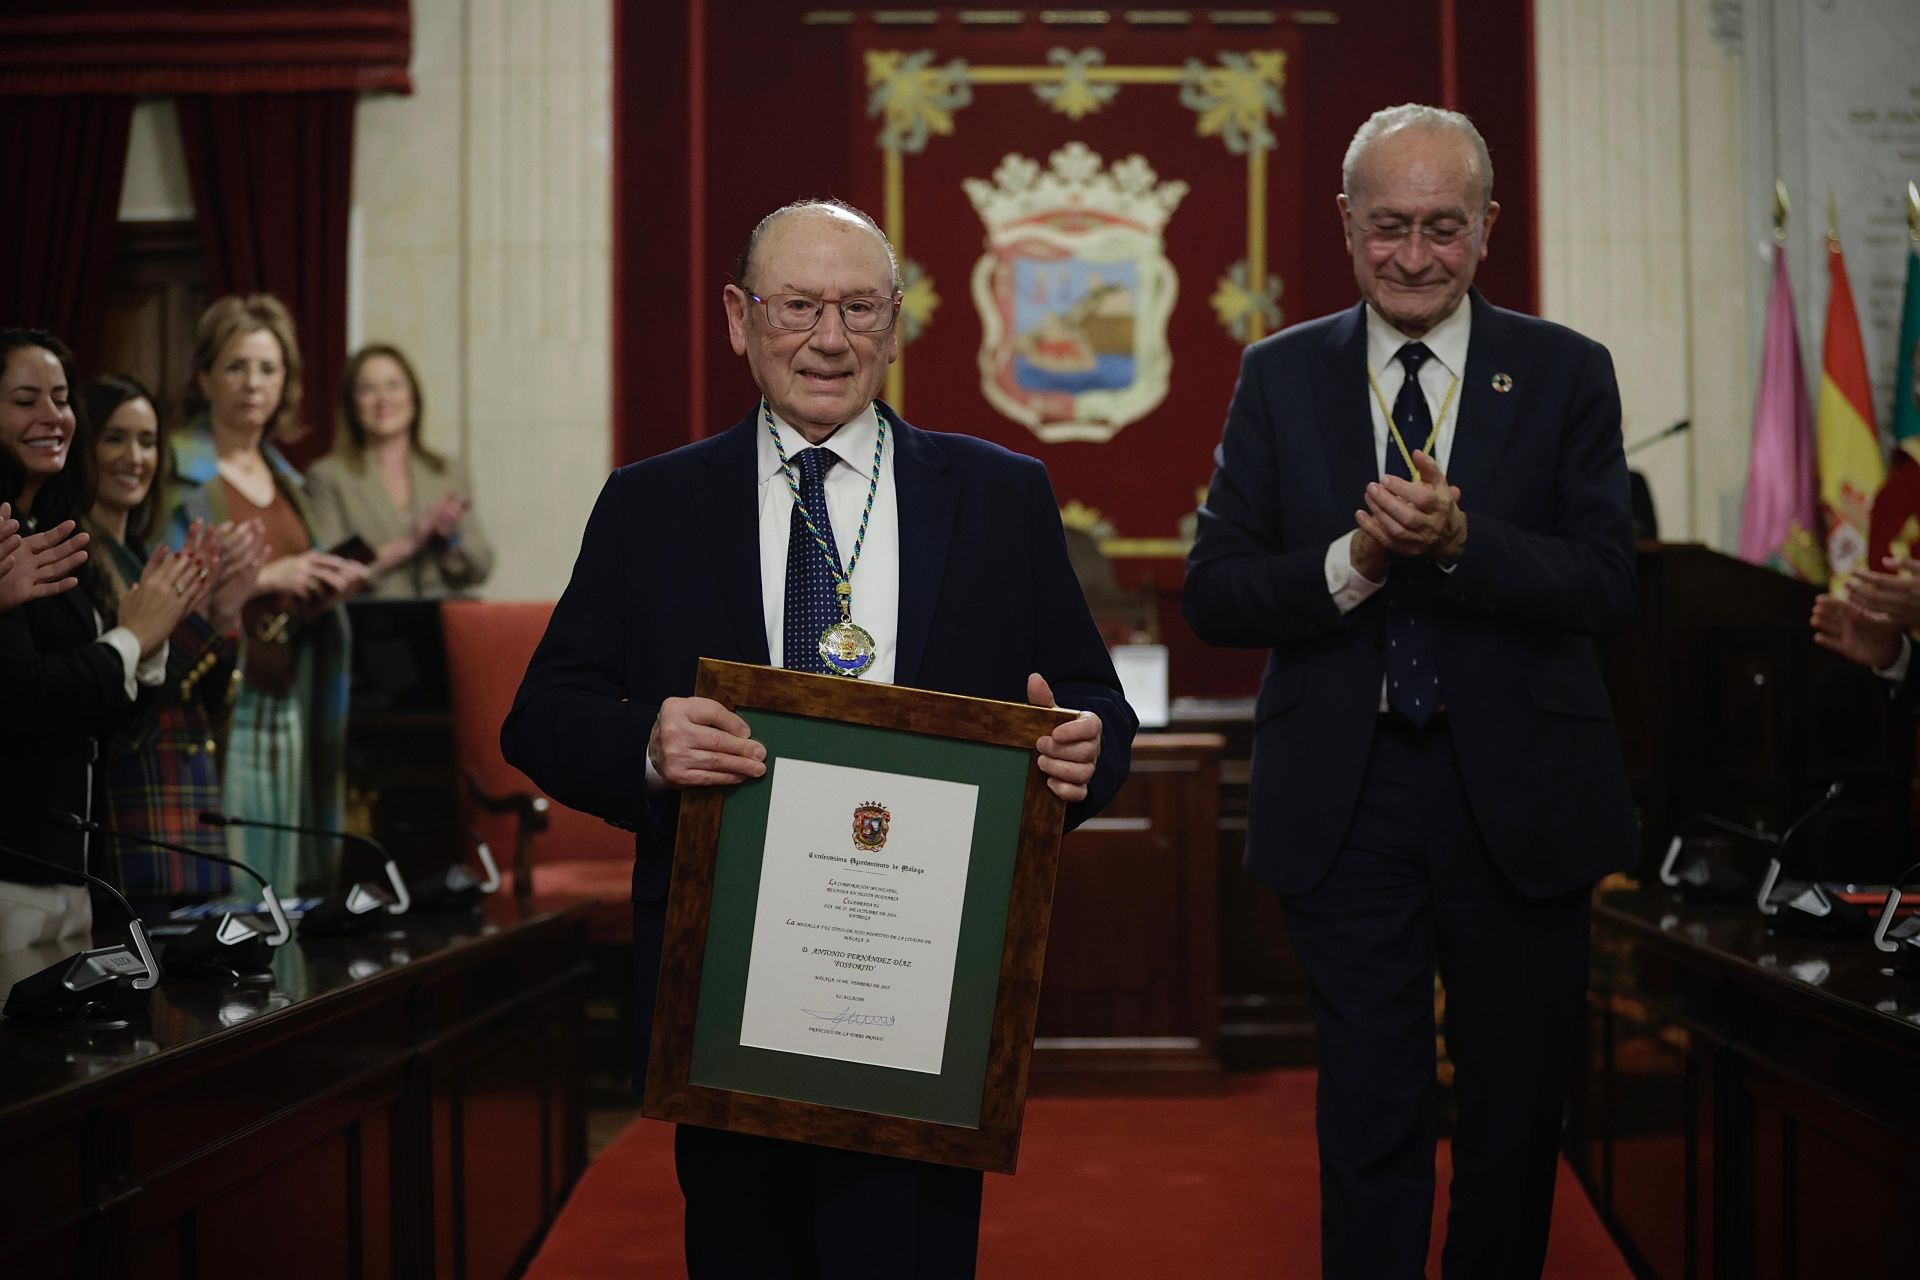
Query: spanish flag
{"x":1846,"y":440}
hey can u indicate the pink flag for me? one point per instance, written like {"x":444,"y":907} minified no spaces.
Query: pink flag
{"x":1778,"y":527}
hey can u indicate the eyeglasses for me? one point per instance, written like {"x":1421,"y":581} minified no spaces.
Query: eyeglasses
{"x":1438,"y":235}
{"x":799,"y":312}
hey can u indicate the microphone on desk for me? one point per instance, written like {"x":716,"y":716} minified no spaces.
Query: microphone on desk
{"x":1902,"y":942}
{"x":1810,"y":907}
{"x":1698,"y":877}
{"x":357,"y":909}
{"x":230,"y":943}
{"x":110,"y":981}
{"x":454,"y":887}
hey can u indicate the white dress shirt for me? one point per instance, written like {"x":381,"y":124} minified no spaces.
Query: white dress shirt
{"x":1448,"y":343}
{"x":876,"y":578}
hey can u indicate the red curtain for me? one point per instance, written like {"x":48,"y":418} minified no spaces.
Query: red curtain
{"x":59,"y":224}
{"x":204,"y":46}
{"x":272,"y":179}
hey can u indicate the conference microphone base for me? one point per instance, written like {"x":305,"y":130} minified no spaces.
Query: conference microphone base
{"x":451,"y":889}
{"x":360,"y":909}
{"x":231,"y":946}
{"x":1812,"y":910}
{"x":1702,"y":880}
{"x":94,"y":988}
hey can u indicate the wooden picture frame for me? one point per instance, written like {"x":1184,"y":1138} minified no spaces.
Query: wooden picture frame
{"x":700,"y":1072}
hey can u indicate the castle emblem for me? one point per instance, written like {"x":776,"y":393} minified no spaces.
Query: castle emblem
{"x":1075,"y":291}
{"x":870,"y":823}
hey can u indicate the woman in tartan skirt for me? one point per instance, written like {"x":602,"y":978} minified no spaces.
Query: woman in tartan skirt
{"x":162,"y":766}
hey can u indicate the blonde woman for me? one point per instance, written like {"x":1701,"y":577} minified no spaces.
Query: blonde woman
{"x":285,"y":755}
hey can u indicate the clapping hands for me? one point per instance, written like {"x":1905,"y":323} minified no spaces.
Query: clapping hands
{"x":1864,"y":624}
{"x":40,"y":566}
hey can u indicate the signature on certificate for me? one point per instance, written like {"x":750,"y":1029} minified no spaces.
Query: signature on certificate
{"x":846,"y":1017}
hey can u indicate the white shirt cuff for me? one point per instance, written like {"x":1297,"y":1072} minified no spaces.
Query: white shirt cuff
{"x":153,"y":671}
{"x":1896,"y":670}
{"x":127,"y":645}
{"x":656,"y":785}
{"x":1348,"y":587}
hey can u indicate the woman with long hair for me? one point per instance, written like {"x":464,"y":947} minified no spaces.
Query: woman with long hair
{"x":162,"y":767}
{"x":413,"y":507}
{"x":75,"y":665}
{"x":285,"y":757}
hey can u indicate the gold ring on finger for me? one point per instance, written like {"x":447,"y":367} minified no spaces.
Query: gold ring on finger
{"x":179,"y":588}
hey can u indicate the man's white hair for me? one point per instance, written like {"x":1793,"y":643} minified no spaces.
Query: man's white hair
{"x":822,"y":205}
{"x":1415,"y":115}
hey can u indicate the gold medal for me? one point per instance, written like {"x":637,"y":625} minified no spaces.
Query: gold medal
{"x":847,"y":648}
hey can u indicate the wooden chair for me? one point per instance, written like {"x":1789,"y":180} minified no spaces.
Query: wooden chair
{"x":560,"y":851}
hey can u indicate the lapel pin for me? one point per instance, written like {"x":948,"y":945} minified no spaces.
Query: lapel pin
{"x":1502,"y":383}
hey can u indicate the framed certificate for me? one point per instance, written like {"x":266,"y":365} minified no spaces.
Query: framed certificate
{"x":854,"y":940}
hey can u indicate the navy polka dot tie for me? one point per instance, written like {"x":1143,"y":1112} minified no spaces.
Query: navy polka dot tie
{"x":812,"y":606}
{"x":1413,"y":682}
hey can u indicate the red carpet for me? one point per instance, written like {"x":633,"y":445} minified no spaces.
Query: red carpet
{"x":1220,"y":1187}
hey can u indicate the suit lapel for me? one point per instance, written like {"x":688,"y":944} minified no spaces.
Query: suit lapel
{"x":1340,"y":407}
{"x":1486,"y":414}
{"x":927,"y":495}
{"x":725,"y":503}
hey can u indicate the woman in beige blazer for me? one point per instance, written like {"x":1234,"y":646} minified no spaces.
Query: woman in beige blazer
{"x":412,"y":507}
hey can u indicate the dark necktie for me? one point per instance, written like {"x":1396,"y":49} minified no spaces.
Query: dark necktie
{"x":1413,"y":683}
{"x":812,"y":606}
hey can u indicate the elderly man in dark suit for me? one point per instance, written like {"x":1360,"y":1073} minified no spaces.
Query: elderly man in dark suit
{"x":1420,"y":508}
{"x":821,"y":532}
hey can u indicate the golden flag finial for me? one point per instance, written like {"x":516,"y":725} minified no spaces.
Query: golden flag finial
{"x":1781,"y":207}
{"x":1913,"y":213}
{"x":1833,"y":222}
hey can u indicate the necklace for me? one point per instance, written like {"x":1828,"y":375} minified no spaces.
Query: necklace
{"x":1393,"y":427}
{"x":846,"y":647}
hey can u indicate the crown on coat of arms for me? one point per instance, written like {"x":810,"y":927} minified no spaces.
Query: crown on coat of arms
{"x":1076,"y":180}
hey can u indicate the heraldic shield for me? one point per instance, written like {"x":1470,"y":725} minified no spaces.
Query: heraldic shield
{"x":1074,"y":291}
{"x":870,"y":823}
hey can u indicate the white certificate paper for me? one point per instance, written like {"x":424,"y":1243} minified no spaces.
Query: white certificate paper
{"x":861,"y":888}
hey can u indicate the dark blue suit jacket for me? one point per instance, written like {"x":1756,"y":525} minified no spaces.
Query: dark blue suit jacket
{"x":669,"y":572}
{"x":1548,"y":564}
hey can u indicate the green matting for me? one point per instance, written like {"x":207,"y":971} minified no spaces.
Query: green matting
{"x":719,"y":1060}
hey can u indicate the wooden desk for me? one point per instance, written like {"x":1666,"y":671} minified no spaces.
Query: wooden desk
{"x":1131,"y":996}
{"x":1746,"y":1105}
{"x":406,"y":1104}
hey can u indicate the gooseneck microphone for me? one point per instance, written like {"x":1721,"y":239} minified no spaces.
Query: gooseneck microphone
{"x":401,"y":898}
{"x":282,"y":930}
{"x":113,"y":981}
{"x":1768,"y":902}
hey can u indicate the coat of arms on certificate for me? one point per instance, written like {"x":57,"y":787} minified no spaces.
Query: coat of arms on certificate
{"x":1074,"y":291}
{"x":870,"y":822}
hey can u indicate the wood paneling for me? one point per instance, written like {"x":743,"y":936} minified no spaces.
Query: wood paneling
{"x":1745,"y":1107}
{"x":308,"y":1127}
{"x":159,"y":290}
{"x":1130,"y":999}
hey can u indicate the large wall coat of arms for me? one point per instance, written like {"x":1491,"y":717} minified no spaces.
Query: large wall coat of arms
{"x":1074,"y":291}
